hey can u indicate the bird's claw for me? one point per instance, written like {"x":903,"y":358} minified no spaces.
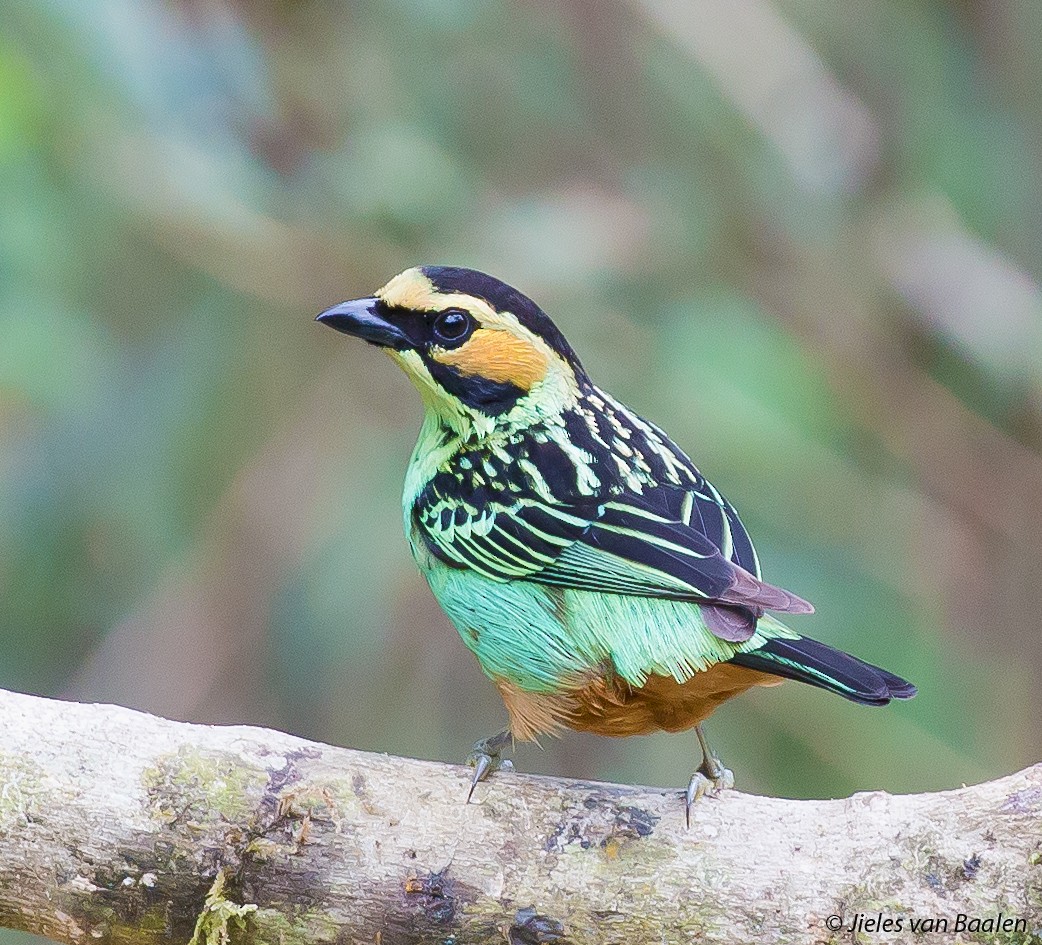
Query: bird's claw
{"x":707,"y":781}
{"x":485,"y":757}
{"x":484,"y":764}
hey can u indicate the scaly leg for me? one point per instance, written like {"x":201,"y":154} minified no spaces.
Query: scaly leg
{"x":487,"y":756}
{"x":710,"y":778}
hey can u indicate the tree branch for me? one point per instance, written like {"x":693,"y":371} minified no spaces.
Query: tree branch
{"x":119,"y":827}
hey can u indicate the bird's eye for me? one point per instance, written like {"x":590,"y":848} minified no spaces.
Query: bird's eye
{"x":452,"y":327}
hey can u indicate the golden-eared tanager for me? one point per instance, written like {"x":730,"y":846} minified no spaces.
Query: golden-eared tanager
{"x":603,"y":583}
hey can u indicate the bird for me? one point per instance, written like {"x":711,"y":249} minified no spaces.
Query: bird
{"x":603,"y":583}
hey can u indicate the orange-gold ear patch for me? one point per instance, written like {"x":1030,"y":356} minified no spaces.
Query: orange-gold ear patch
{"x":499,"y":356}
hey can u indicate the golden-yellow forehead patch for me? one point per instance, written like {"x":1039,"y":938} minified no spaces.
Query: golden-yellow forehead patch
{"x":499,"y":356}
{"x":411,"y":289}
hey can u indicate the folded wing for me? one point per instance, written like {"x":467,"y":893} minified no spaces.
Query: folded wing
{"x":652,"y":545}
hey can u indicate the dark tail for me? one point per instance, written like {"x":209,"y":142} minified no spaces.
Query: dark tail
{"x":812,"y":662}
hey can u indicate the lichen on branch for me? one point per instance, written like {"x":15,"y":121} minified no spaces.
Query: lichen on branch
{"x":119,"y":827}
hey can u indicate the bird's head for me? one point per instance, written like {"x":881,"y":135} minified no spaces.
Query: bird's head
{"x":483,"y":356}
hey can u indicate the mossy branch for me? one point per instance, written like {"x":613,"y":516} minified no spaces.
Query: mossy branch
{"x":119,"y":827}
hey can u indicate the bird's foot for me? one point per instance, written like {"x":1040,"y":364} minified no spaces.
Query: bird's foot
{"x":710,"y":779}
{"x":487,"y":756}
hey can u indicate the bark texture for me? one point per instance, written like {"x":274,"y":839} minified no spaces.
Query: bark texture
{"x":119,"y":827}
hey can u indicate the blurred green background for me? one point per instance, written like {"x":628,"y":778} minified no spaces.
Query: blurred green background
{"x":800,"y":235}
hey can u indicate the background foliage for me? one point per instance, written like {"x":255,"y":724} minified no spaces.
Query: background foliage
{"x":800,"y":235}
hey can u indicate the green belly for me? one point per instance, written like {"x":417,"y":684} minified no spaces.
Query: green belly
{"x":545,"y":639}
